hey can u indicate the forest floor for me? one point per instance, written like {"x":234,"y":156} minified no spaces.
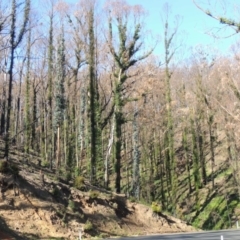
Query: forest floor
{"x":56,"y":210}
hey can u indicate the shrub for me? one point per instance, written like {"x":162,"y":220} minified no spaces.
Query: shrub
{"x":93,"y":194}
{"x":64,"y":218}
{"x":55,"y":192}
{"x":6,"y":167}
{"x":103,"y":235}
{"x":88,"y":226}
{"x":45,"y":164}
{"x":67,"y":176}
{"x":156,"y":208}
{"x":79,"y":182}
{"x":3,"y":166}
{"x":132,"y":199}
{"x":61,"y":212}
{"x":71,"y":205}
{"x":77,"y":171}
{"x":14,"y":169}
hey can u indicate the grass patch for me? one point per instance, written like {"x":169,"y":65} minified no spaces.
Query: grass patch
{"x":71,"y":205}
{"x":216,"y":214}
{"x":79,"y":182}
{"x":225,"y":173}
{"x":207,"y":216}
{"x":88,"y":226}
{"x":94,"y":194}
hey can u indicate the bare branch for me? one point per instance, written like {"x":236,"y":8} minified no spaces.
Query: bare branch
{"x":223,"y":20}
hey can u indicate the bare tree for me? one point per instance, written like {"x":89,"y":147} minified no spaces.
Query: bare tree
{"x":15,"y":40}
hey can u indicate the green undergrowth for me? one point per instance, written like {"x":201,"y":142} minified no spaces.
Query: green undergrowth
{"x":226,"y":172}
{"x":217,"y":214}
{"x":217,"y":207}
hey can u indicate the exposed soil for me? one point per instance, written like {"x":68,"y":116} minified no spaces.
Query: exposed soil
{"x":57,"y":210}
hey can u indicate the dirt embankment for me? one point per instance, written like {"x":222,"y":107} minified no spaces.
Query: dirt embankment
{"x":56,"y":210}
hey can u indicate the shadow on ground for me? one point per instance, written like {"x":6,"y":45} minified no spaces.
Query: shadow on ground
{"x":7,"y":233}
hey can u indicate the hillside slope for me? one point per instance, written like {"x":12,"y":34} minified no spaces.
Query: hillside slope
{"x":57,"y":210}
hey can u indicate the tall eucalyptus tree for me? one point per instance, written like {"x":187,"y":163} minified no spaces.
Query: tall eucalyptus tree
{"x":59,"y":110}
{"x":16,"y":38}
{"x":126,"y":53}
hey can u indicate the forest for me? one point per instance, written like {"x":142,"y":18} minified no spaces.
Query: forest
{"x":82,"y":91}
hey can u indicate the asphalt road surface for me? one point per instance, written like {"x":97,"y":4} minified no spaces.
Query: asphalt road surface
{"x":210,"y":235}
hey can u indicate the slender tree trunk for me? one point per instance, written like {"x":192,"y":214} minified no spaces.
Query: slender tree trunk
{"x":200,"y":143}
{"x":9,"y":100}
{"x":109,"y":149}
{"x":118,"y":117}
{"x":82,"y":126}
{"x":34,"y":142}
{"x":3,"y":102}
{"x":136,"y":159}
{"x":195,"y":155}
{"x":58,"y":163}
{"x":212,"y":153}
{"x":27,"y":100}
{"x":186,"y":153}
{"x":50,"y":136}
